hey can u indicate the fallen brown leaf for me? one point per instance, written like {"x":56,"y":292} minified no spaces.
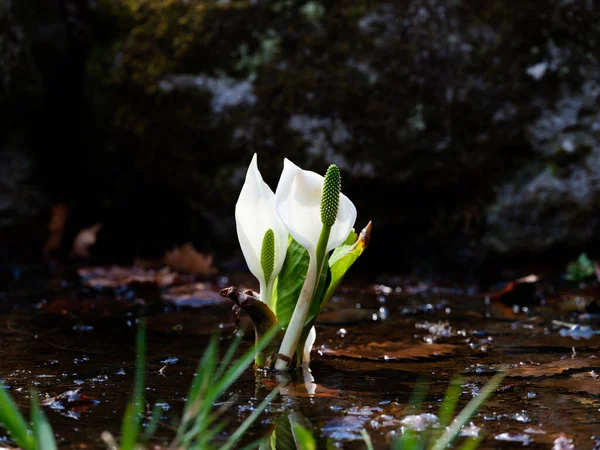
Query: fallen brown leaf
{"x":117,"y":276}
{"x":195,"y":294}
{"x":517,"y":292}
{"x":84,"y":241}
{"x":390,"y":351}
{"x":553,"y":368}
{"x":578,"y":382}
{"x":56,"y":227}
{"x":187,"y":259}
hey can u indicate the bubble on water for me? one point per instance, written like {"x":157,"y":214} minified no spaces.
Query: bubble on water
{"x":170,"y":360}
{"x":525,"y":439}
{"x":419,"y":422}
{"x":470,"y":430}
{"x":342,"y":332}
{"x":384,"y":313}
{"x":521,"y":417}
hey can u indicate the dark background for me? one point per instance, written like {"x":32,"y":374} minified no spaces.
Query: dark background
{"x":468,"y":131}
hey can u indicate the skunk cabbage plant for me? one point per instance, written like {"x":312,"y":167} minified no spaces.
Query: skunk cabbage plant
{"x":299,"y":243}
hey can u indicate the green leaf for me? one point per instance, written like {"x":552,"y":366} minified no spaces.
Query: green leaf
{"x":340,"y":261}
{"x":14,"y":422}
{"x":580,"y":269}
{"x":42,"y":431}
{"x":288,"y":284}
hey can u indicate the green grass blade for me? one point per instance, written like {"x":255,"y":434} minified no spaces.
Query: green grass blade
{"x":417,"y":397}
{"x":195,"y":414}
{"x":256,"y":443}
{"x":471,"y":443}
{"x":408,"y":441}
{"x":236,"y":370}
{"x":132,"y":419}
{"x":152,"y":424}
{"x":229,"y":354}
{"x":235,"y":437}
{"x":202,"y":440}
{"x":367,"y":438}
{"x":452,"y":431}
{"x":42,"y":431}
{"x":14,"y":422}
{"x":303,"y":437}
{"x":450,"y":401}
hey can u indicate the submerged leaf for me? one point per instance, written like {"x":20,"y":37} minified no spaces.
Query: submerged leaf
{"x":117,"y":276}
{"x":390,"y":351}
{"x":583,"y":382}
{"x":193,"y":295}
{"x":552,"y":368}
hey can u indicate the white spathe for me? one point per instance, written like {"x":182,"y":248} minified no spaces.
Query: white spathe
{"x":298,"y":204}
{"x":254,"y":215}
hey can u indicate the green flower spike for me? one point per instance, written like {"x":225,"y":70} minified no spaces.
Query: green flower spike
{"x":330,"y":198}
{"x":267,"y":254}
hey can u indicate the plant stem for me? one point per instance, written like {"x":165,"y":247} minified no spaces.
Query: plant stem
{"x":294,"y":330}
{"x":266,"y":291}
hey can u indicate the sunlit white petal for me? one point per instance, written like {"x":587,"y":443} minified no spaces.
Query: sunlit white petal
{"x":298,"y":203}
{"x":254,"y":215}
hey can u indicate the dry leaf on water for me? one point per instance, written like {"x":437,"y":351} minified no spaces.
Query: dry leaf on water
{"x":552,"y":368}
{"x":56,"y":227}
{"x":195,"y":295}
{"x":84,"y":240}
{"x":583,"y":382}
{"x":116,"y":276}
{"x":71,"y":403}
{"x":518,"y":292}
{"x":390,"y":351}
{"x":187,"y":259}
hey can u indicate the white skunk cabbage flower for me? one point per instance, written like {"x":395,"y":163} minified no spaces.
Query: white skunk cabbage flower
{"x":263,"y":236}
{"x":319,"y":217}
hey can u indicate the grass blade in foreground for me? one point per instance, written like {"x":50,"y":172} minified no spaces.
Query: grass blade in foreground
{"x":132,"y":419}
{"x":235,"y":437}
{"x":198,"y":418}
{"x":367,"y":438}
{"x":468,"y":411}
{"x":42,"y":431}
{"x":14,"y":422}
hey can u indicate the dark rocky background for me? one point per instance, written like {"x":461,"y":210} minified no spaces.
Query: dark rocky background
{"x":468,"y":131}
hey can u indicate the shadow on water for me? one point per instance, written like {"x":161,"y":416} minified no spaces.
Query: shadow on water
{"x":375,"y":345}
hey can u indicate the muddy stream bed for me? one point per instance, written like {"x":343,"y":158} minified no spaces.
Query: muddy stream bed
{"x":375,"y":345}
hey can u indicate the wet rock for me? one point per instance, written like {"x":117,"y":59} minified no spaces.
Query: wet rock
{"x":23,"y":202}
{"x":416,"y":103}
{"x":553,"y":201}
